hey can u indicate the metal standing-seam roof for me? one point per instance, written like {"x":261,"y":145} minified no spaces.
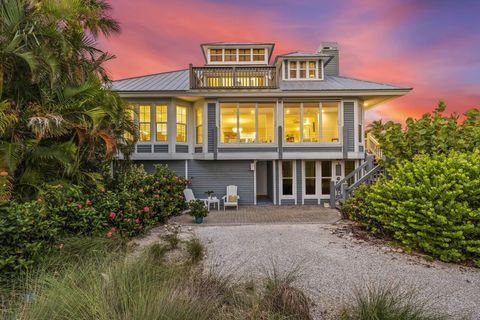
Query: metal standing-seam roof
{"x":179,"y":81}
{"x":165,"y":81}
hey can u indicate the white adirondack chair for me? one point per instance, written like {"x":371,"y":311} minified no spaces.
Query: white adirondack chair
{"x":231,"y":198}
{"x":189,"y":196}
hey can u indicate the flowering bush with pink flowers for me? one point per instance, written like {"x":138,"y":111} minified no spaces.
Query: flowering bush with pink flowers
{"x":135,"y":202}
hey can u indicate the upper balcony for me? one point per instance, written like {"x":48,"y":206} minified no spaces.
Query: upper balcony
{"x":233,"y":77}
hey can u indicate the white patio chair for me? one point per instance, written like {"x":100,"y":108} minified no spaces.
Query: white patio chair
{"x":231,"y":198}
{"x":189,"y":196}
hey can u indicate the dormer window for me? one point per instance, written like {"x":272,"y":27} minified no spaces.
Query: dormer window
{"x":303,"y":69}
{"x":258,"y":54}
{"x":229,"y":55}
{"x":244,"y":55}
{"x":216,"y":55}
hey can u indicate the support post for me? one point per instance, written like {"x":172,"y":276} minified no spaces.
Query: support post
{"x":369,"y":162}
{"x":343,"y":190}
{"x":333,"y":199}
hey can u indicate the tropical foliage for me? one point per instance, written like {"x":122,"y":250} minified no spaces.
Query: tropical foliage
{"x":433,"y":133}
{"x":431,"y":199}
{"x":30,"y":229}
{"x":58,"y":122}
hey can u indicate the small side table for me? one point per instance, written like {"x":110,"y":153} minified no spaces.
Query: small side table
{"x":214,"y":201}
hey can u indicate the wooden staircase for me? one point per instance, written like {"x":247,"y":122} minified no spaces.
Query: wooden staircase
{"x":367,"y":173}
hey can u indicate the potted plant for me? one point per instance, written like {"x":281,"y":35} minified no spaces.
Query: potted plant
{"x":198,"y":210}
{"x":209,"y":193}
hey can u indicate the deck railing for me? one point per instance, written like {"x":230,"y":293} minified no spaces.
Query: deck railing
{"x":373,"y":146}
{"x":233,"y":77}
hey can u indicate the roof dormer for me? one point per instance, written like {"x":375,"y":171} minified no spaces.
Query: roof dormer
{"x":237,"y":53}
{"x":302,"y":65}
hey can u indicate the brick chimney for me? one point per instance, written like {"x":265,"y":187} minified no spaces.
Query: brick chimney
{"x":331,"y":49}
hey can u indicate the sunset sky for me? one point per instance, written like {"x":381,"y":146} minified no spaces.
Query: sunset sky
{"x":430,"y":45}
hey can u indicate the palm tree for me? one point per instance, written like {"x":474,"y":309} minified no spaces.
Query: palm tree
{"x":58,"y":122}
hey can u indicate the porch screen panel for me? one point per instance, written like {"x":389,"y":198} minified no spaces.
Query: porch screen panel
{"x":291,"y":120}
{"x":326,"y":176}
{"x":144,"y":122}
{"x":287,"y":178}
{"x":228,"y":123}
{"x":266,"y":123}
{"x":310,"y":178}
{"x":247,"y":124}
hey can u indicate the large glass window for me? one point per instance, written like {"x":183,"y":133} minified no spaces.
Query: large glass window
{"x":311,"y":114}
{"x":302,"y":69}
{"x":181,"y":124}
{"x":326,"y":176}
{"x":287,"y":178}
{"x":161,"y":116}
{"x":144,"y":122}
{"x":291,"y":121}
{"x":199,"y":125}
{"x":216,"y":55}
{"x":310,"y":122}
{"x":228,"y":124}
{"x":266,"y":123}
{"x":230,"y":54}
{"x":247,"y":127}
{"x":247,"y":123}
{"x":244,"y":54}
{"x":310,"y":178}
{"x":130,"y":115}
{"x":258,"y":54}
{"x":330,"y":122}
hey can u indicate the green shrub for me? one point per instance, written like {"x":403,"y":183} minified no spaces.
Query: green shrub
{"x":197,"y":208}
{"x":195,"y":249}
{"x":430,"y":203}
{"x":390,"y":302}
{"x":26,"y":232}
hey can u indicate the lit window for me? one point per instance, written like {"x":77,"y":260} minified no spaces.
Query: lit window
{"x":310,"y":178}
{"x":293,"y":69}
{"x":161,"y":117}
{"x":244,"y":54}
{"x":303,"y":70}
{"x":329,"y":122}
{"x":144,"y":122}
{"x":318,"y":123}
{"x":287,"y":178}
{"x":130,"y":115}
{"x":291,"y":120}
{"x":199,"y":125}
{"x":326,"y":176}
{"x":228,"y":124}
{"x":230,"y":54}
{"x":247,"y":123}
{"x":258,"y":54}
{"x":181,"y":124}
{"x":312,"y":70}
{"x":216,"y":55}
{"x":311,"y":114}
{"x":266,"y":123}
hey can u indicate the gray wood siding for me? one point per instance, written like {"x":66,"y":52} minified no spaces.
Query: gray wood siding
{"x":160,"y":148}
{"x":212,"y":124}
{"x":288,"y":202}
{"x":178,"y":166}
{"x":348,"y":123}
{"x":332,"y":69}
{"x":217,"y":175}
{"x":247,"y":149}
{"x":179,"y":148}
{"x":299,"y":182}
{"x":312,"y":149}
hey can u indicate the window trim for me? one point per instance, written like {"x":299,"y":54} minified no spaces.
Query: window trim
{"x":162,"y":122}
{"x":320,"y":131}
{"x":318,"y":62}
{"x":294,"y":182}
{"x":238,"y":144}
{"x":197,"y":125}
{"x":185,"y":124}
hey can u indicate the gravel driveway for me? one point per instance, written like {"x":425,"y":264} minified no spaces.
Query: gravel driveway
{"x":331,"y":265}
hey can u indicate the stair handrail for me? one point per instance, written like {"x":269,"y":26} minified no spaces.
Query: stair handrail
{"x":374,"y":146}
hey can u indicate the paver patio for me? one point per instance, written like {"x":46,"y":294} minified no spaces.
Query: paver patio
{"x":305,"y":214}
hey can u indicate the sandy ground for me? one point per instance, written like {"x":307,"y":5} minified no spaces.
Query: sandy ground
{"x":331,"y":266}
